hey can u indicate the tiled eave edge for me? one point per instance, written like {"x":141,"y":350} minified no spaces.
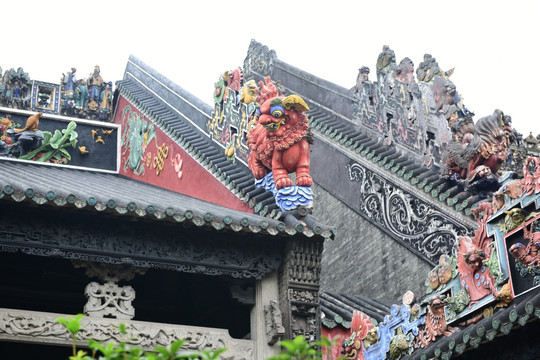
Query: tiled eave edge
{"x":42,"y":327}
{"x":271,"y":227}
{"x":338,"y":310}
{"x":239,"y":185}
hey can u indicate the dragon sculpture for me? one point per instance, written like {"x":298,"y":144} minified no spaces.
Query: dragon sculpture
{"x":279,"y":141}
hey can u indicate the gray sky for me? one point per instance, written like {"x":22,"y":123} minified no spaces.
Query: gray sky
{"x":491,"y":44}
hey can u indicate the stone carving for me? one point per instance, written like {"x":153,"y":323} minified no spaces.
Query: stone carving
{"x":109,"y":299}
{"x":108,"y":272}
{"x":305,"y":321}
{"x":303,"y":295}
{"x":138,"y":246}
{"x":274,"y":322}
{"x":258,"y":60}
{"x":29,"y":326}
{"x":361,"y":79}
{"x":410,"y":220}
{"x":305,"y":266}
{"x":301,"y":271}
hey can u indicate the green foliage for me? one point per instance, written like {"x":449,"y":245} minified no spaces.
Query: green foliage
{"x":72,"y":324}
{"x":301,"y":349}
{"x":54,"y":146}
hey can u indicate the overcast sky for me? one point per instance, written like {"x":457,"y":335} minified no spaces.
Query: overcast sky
{"x":493,"y":45}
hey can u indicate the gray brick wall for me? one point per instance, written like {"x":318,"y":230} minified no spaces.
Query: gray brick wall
{"x":363,"y":259}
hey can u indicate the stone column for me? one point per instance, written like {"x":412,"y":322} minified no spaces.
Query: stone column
{"x":265,"y":322}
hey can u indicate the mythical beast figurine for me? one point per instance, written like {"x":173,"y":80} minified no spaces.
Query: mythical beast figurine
{"x":279,"y":141}
{"x":479,"y":149}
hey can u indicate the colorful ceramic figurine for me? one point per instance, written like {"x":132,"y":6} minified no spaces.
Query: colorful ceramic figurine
{"x":278,"y":141}
{"x":481,"y":149}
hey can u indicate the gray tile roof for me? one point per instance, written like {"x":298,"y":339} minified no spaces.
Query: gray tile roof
{"x":343,"y":132}
{"x":199,"y":145}
{"x":121,"y":196}
{"x":337,"y":309}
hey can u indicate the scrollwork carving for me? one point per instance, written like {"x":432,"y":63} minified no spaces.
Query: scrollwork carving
{"x":109,"y":299}
{"x":29,"y":326}
{"x":415,"y":223}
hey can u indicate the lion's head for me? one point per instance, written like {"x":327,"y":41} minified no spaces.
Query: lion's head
{"x":280,"y":124}
{"x":284,"y":120}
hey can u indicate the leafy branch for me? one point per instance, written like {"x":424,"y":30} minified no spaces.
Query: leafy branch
{"x":54,"y":146}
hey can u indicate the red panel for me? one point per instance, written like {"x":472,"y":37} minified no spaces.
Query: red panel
{"x":337,"y":335}
{"x":149,"y":155}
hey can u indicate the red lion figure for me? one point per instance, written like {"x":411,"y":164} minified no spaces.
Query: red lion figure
{"x":278,"y":142}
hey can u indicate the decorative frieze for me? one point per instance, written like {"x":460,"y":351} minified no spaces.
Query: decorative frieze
{"x":139,"y":247}
{"x":418,"y":224}
{"x":32,"y":326}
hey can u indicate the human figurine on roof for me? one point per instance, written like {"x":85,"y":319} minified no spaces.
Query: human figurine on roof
{"x":106,"y":98}
{"x":69,"y":83}
{"x":94,"y":84}
{"x":81,"y":94}
{"x":17,"y":90}
{"x":8,"y":93}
